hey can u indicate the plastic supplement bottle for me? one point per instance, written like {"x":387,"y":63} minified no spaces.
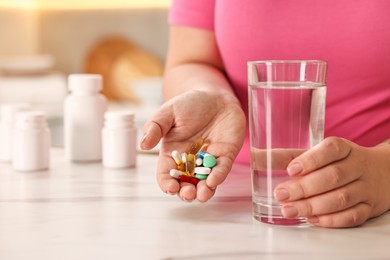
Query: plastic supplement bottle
{"x":8,"y":114}
{"x":119,"y":140}
{"x":31,"y":142}
{"x":84,"y":110}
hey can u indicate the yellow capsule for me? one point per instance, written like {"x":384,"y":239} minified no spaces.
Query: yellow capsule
{"x":194,"y":148}
{"x":190,"y":164}
{"x":181,"y":167}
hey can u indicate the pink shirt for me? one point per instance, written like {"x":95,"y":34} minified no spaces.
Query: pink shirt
{"x":353,"y":36}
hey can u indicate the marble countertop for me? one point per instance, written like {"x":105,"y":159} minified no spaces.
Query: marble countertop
{"x":84,"y":211}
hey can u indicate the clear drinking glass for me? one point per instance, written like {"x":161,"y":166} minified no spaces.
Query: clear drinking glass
{"x":286,"y":117}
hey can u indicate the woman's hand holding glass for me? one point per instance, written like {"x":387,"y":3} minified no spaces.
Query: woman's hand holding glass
{"x":338,"y":184}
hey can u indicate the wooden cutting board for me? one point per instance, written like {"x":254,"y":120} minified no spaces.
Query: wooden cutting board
{"x":121,"y":62}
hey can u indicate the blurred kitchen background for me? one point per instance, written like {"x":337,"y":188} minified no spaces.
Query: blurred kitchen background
{"x":43,"y":41}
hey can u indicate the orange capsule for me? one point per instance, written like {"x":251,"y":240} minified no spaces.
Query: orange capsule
{"x":204,"y":146}
{"x":194,"y":148}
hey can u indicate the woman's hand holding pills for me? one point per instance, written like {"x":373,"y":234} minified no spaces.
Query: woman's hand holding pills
{"x":338,"y":184}
{"x":217,"y":118}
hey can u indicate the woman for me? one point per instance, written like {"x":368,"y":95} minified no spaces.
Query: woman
{"x":346,"y":178}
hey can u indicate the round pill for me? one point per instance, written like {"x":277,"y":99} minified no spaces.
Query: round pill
{"x":209,"y":161}
{"x":202,"y":170}
{"x":201,"y":176}
{"x":199,"y":161}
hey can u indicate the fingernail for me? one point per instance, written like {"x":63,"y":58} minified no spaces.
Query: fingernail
{"x":289,"y":211}
{"x":281,"y":194}
{"x":171,"y":193}
{"x":142,"y":141}
{"x":186,"y":200}
{"x":295,"y":168}
{"x":313,"y":220}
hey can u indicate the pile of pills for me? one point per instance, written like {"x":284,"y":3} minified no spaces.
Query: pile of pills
{"x":194,"y":164}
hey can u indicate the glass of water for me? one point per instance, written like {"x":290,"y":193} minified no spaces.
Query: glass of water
{"x":286,"y":118}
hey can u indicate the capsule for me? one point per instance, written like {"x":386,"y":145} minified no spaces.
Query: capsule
{"x":184,"y":157}
{"x":181,"y":167}
{"x":194,"y":148}
{"x":204,"y":146}
{"x":175,"y":173}
{"x":202,"y":154}
{"x":189,"y":179}
{"x":176,"y":157}
{"x":190,"y":164}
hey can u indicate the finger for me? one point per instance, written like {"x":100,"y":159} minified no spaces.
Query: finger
{"x":323,"y":180}
{"x":329,"y":150}
{"x":351,"y":217}
{"x":187,"y":191}
{"x":167,"y":183}
{"x":219,"y":172}
{"x":157,"y":127}
{"x":334,"y":201}
{"x":152,"y":136}
{"x":204,"y":193}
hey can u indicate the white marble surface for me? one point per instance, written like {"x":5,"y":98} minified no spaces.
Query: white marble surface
{"x":83,"y":211}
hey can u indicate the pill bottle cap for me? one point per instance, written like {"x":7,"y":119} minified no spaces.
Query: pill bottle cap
{"x":119,"y":118}
{"x":89,"y":83}
{"x":31,"y":119}
{"x":9,"y":111}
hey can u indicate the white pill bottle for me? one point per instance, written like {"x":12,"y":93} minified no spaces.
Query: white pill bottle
{"x":84,"y":110}
{"x":7,"y":122}
{"x":31,"y":142}
{"x":119,"y":140}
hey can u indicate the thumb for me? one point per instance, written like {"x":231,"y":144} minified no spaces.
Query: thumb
{"x":155,"y":128}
